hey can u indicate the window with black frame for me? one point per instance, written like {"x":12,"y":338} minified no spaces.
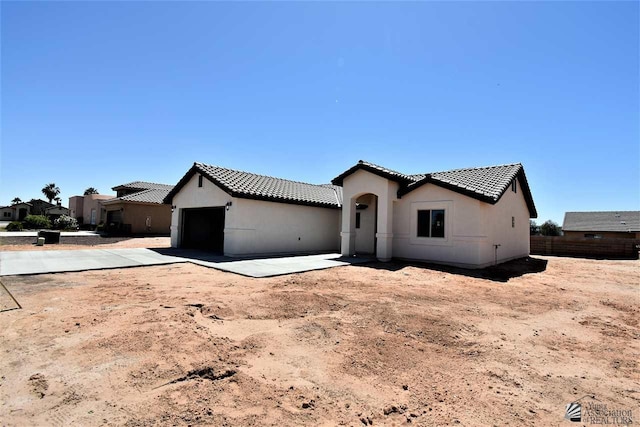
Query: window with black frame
{"x":431,"y":223}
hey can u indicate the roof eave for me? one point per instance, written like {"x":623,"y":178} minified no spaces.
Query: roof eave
{"x":361,"y":166}
{"x":285,"y":201}
{"x":168,"y":200}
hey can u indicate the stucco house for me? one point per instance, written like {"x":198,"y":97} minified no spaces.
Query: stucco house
{"x":241,"y":213}
{"x":138,"y":208}
{"x":15,"y":212}
{"x":465,"y":217}
{"x":88,"y":209}
{"x":470,"y":218}
{"x":603,"y":224}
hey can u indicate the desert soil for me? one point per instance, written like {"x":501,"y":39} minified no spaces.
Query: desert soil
{"x":378,"y":344}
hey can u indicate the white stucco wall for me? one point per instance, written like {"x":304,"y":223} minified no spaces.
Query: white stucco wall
{"x":254,"y":227}
{"x":260,"y":227}
{"x":355,"y":185}
{"x":513,"y":241}
{"x":472,"y":228}
{"x":192,"y":196}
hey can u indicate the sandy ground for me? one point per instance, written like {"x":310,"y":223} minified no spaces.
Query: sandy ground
{"x":383,"y":344}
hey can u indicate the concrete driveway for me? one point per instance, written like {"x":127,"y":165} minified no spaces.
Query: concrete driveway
{"x":40,"y":262}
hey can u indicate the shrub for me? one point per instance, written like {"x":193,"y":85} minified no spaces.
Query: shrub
{"x":36,"y":222}
{"x":65,"y":222}
{"x":550,"y":228}
{"x":14,"y":226}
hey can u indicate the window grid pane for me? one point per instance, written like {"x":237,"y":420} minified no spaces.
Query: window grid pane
{"x":424,"y":223}
{"x":437,"y":223}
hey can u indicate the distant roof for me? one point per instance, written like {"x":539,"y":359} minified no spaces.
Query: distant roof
{"x":260,"y":187}
{"x":487,"y":184}
{"x":150,"y":192}
{"x":624,"y":221}
{"x":142,"y":185}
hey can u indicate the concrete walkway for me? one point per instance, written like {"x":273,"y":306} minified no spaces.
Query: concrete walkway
{"x":40,"y":262}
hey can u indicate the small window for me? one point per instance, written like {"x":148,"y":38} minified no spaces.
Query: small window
{"x":200,"y":181}
{"x":513,"y":222}
{"x":431,"y":223}
{"x":514,"y":185}
{"x":357,"y":219}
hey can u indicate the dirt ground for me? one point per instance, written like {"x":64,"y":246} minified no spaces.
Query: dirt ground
{"x":378,"y":344}
{"x":83,"y":242}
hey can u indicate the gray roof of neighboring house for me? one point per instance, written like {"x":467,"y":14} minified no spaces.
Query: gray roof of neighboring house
{"x":623,"y":221}
{"x":149,"y":193}
{"x":260,"y":187}
{"x":143,"y":185}
{"x":484,"y":183}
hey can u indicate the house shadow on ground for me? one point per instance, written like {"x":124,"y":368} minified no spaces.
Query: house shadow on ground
{"x":499,"y":273}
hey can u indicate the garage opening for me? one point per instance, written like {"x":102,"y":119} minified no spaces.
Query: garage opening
{"x":203,"y":228}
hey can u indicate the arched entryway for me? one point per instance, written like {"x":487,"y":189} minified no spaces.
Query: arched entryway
{"x":378,"y":193}
{"x":366,"y":224}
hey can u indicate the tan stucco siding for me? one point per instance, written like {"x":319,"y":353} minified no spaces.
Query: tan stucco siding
{"x":93,"y":202}
{"x":144,"y":218}
{"x":76,"y":206}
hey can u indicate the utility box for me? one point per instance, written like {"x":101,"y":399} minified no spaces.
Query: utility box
{"x":50,"y":236}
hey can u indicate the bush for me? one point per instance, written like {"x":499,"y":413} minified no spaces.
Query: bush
{"x":550,"y":228}
{"x":36,"y":222}
{"x":65,"y":222}
{"x":14,"y":226}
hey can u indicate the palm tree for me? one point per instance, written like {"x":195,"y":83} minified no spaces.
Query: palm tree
{"x":50,"y":191}
{"x":16,"y":200}
{"x":90,"y":190}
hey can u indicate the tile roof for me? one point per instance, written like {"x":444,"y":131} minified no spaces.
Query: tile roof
{"x":260,"y":187}
{"x":153,"y":193}
{"x":143,"y":185}
{"x":490,"y":182}
{"x":624,"y":221}
{"x":484,"y":183}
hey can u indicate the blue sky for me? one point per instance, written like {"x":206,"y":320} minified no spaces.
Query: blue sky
{"x":102,"y":93}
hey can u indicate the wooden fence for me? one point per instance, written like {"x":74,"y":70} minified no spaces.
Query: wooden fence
{"x":586,"y":248}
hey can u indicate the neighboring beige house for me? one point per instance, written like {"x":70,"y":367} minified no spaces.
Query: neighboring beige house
{"x":15,"y":212}
{"x":602,"y":225}
{"x":466,"y":217}
{"x":138,"y":208}
{"x":7,"y":213}
{"x":88,"y":209}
